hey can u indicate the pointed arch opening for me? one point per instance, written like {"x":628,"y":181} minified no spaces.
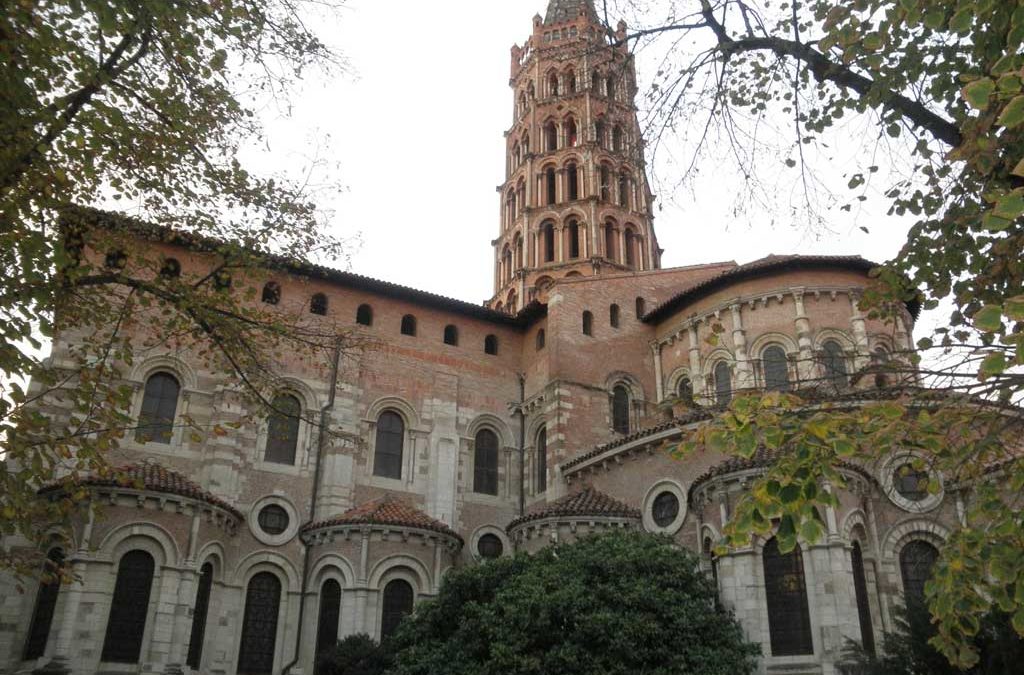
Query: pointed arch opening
{"x":550,"y":137}
{"x":571,"y":133}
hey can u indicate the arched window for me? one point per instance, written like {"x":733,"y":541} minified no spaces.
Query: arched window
{"x":46,"y":603}
{"x":641,"y":308}
{"x":723,"y":384}
{"x":159,"y":405}
{"x":708,"y":549}
{"x":599,"y":133}
{"x":916,"y":561}
{"x":451,"y":335}
{"x":408,"y":325}
{"x":630,"y":245}
{"x":613,"y":316}
{"x":519,"y":251}
{"x":199,"y":613}
{"x":129,"y":608}
{"x":318,"y":304}
{"x":685,"y":388}
{"x":116,"y":259}
{"x":330,"y":614}
{"x":364,"y":315}
{"x":283,"y":430}
{"x":588,"y":323}
{"x":776,"y":368}
{"x":542,"y":460}
{"x":609,"y":241}
{"x":571,"y":133}
{"x":171,"y":269}
{"x":397,"y":604}
{"x":489,"y":547}
{"x":789,"y":620}
{"x":624,"y":190}
{"x":879,"y":356}
{"x":860,"y":589}
{"x":835,"y":364}
{"x":259,"y":625}
{"x":553,"y":84}
{"x":550,"y":183}
{"x":271,"y":293}
{"x":387,"y":454}
{"x":620,"y":409}
{"x":485,"y":463}
{"x":540,"y":339}
{"x":548,"y":230}
{"x":573,"y":178}
{"x":491,"y":345}
{"x":606,"y":183}
{"x":550,"y":137}
{"x":609,"y":87}
{"x":571,"y":84}
{"x":617,"y":138}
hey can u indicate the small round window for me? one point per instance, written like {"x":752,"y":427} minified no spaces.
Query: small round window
{"x":911,"y":483}
{"x":490,"y":547}
{"x":665,"y":509}
{"x":273,"y":519}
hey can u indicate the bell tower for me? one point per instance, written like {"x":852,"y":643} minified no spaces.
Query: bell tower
{"x":575,"y":201}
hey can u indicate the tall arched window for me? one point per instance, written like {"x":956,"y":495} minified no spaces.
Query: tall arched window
{"x":606,"y":183}
{"x":708,"y":549}
{"x":283,"y":430}
{"x":46,"y":603}
{"x":609,"y":241}
{"x":723,"y":384}
{"x":159,"y":405}
{"x":542,"y":460}
{"x":835,"y":364}
{"x":860,"y":589}
{"x":199,"y":613}
{"x":624,"y":190}
{"x":550,"y":137}
{"x":620,"y":409}
{"x":387,"y":453}
{"x":617,"y":138}
{"x":364,"y":315}
{"x":916,"y":561}
{"x":548,"y":231}
{"x":570,"y":79}
{"x":630,"y":246}
{"x":540,"y":339}
{"x":789,"y":620}
{"x":259,"y":625}
{"x":641,"y":308}
{"x":573,"y":178}
{"x":451,"y":335}
{"x":129,"y":608}
{"x":588,"y":323}
{"x":550,"y":185}
{"x":571,"y":133}
{"x":318,"y":304}
{"x":574,"y":239}
{"x":685,"y":388}
{"x":485,"y":463}
{"x":491,"y":345}
{"x":553,"y":84}
{"x":599,"y":133}
{"x":609,"y":87}
{"x":613,"y":316}
{"x":397,"y":604}
{"x":776,"y":368}
{"x":330,"y":614}
{"x":271,"y":293}
{"x":408,"y":325}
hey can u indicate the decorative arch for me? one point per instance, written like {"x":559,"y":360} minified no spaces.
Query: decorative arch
{"x":852,"y":520}
{"x":621,"y":377}
{"x":333,"y":566}
{"x":826,"y":334}
{"x":212,"y":552}
{"x":400,"y":562}
{"x":180,"y":368}
{"x":298,"y":388}
{"x":495,"y":424}
{"x":677,"y":375}
{"x":266,"y":561}
{"x":915,"y":528}
{"x":397,"y":404}
{"x":148,"y":536}
{"x":787,"y":342}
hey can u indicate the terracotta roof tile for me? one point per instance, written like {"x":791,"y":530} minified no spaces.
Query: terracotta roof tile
{"x":587,"y":502}
{"x":387,"y":510}
{"x":153,"y":477}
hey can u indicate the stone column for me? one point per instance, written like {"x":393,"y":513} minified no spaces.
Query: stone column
{"x":862,"y":357}
{"x":805,"y":364}
{"x":659,"y":384}
{"x":744,"y":375}
{"x":696,"y":379}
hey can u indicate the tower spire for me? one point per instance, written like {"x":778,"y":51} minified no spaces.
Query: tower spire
{"x":560,"y":11}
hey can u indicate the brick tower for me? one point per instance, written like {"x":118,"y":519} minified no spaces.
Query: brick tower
{"x":575,"y":200}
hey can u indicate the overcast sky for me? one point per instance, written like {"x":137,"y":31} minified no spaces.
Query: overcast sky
{"x":414,"y":134}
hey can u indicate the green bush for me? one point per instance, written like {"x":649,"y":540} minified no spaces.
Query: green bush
{"x":355,"y":655}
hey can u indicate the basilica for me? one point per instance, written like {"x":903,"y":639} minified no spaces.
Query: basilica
{"x":473,"y":431}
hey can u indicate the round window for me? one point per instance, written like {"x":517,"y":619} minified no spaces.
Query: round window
{"x":665,"y":509}
{"x":911,"y":483}
{"x":273,"y":519}
{"x":489,"y":546}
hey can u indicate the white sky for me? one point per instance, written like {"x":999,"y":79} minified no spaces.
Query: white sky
{"x":415,"y":135}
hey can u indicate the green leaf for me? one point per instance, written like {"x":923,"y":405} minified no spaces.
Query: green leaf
{"x":1019,"y":169}
{"x":993,"y":223}
{"x":994,"y":364}
{"x":961,"y":21}
{"x":1014,"y":308}
{"x":1010,"y":206}
{"x":934,"y":19}
{"x":1013,"y":113}
{"x":989,"y":318}
{"x":977,"y":93}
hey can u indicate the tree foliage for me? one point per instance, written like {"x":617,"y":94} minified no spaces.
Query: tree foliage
{"x":616,"y":603}
{"x":144,"y":104}
{"x":940,"y":82}
{"x":355,"y":655}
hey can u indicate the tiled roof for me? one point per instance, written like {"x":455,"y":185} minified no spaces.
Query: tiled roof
{"x":771,"y":263}
{"x":587,"y":502}
{"x":560,"y":11}
{"x":387,"y":510}
{"x":153,"y":232}
{"x":151,"y":477}
{"x":696,"y":415}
